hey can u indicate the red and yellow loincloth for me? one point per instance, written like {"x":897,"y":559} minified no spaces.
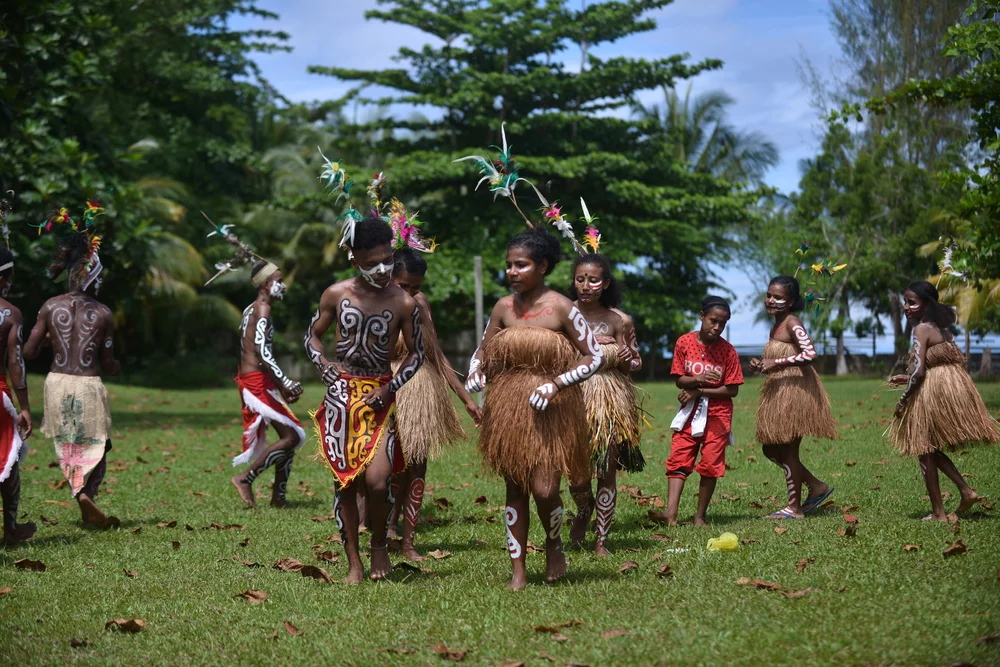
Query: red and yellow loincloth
{"x":10,"y":437}
{"x":262,"y":404}
{"x":351,"y":433}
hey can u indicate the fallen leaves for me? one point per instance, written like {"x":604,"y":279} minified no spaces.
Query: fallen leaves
{"x":131,"y":625}
{"x":5,"y":590}
{"x":27,"y":564}
{"x":791,"y":595}
{"x":661,"y":537}
{"x":253,"y":596}
{"x":481,"y":500}
{"x":442,"y":504}
{"x":664,"y":571}
{"x":956,"y":548}
{"x":438,"y":554}
{"x":850,"y":518}
{"x":288,"y":565}
{"x":851,"y":464}
{"x":328,"y":556}
{"x":320,"y":519}
{"x":804,"y":563}
{"x":48,"y":522}
{"x":166,"y":524}
{"x":78,"y":643}
{"x":228,"y":526}
{"x":131,"y":574}
{"x":989,"y":639}
{"x":554,"y":629}
{"x":292,"y":630}
{"x":317,"y":573}
{"x":779,"y":530}
{"x":911,"y":547}
{"x":176,"y":545}
{"x":617,"y":632}
{"x":762,"y":585}
{"x":448,"y":654}
{"x":628,"y":566}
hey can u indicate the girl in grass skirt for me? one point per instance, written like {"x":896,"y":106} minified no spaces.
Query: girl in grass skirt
{"x":793,"y":402}
{"x":940,"y":409}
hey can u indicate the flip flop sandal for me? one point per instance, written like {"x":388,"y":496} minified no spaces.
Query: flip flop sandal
{"x":813,"y":504}
{"x":783,"y":514}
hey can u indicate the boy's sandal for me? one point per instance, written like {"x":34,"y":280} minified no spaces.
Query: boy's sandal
{"x":783,"y":514}
{"x":813,"y":504}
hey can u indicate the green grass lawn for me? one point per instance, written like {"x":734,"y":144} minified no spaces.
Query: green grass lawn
{"x":869,"y":602}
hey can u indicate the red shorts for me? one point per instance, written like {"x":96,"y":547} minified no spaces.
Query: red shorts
{"x":684,"y":449}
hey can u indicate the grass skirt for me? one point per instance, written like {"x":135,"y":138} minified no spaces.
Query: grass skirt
{"x":613,"y":415}
{"x":515,"y":439}
{"x":426,"y":420}
{"x":793,"y":402}
{"x":946,"y":412}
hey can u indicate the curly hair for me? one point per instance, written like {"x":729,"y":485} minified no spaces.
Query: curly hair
{"x":371,"y":233}
{"x":409,"y":260}
{"x":540,"y":246}
{"x":610,"y":297}
{"x":792,"y":291}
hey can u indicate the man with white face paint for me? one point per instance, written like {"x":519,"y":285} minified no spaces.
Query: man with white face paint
{"x":357,"y":419}
{"x":265,"y":391}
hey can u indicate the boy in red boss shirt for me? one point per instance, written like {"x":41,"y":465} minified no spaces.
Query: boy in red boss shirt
{"x":709,"y":376}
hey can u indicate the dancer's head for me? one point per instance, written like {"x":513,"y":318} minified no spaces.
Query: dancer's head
{"x":593,"y":280}
{"x":783,"y":296}
{"x":6,"y":271}
{"x":714,"y":316}
{"x":408,"y":270}
{"x":371,"y":251}
{"x":920,"y":304}
{"x":266,"y":277}
{"x":531,"y":256}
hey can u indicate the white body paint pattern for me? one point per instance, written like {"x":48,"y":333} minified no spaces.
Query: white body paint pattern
{"x":510,"y":517}
{"x":406,"y":372}
{"x":20,"y":357}
{"x":364,"y":340}
{"x":63,"y":320}
{"x":807,"y":352}
{"x":606,"y":500}
{"x":542,"y":395}
{"x":583,"y":371}
{"x":792,"y":496}
{"x":555,"y":523}
{"x":415,"y":498}
{"x":911,"y":386}
{"x":315,"y":356}
{"x":476,"y":381}
{"x":339,"y":518}
{"x":88,"y":336}
{"x":377,"y":271}
{"x":263,"y":337}
{"x":600,"y":329}
{"x":335,"y":403}
{"x":633,"y":345}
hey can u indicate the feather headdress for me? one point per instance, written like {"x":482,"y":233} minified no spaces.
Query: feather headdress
{"x":406,"y":229}
{"x":79,"y":232}
{"x":502,"y":175}
{"x":826,"y":268}
{"x":243,"y":255}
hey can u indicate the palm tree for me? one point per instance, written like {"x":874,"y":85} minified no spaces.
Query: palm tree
{"x":701,"y":136}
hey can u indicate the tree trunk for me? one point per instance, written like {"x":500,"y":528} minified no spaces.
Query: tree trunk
{"x":986,"y":365}
{"x":845,"y":313}
{"x":968,"y":340}
{"x":900,"y":346}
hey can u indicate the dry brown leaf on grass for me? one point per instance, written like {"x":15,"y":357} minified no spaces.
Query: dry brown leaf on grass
{"x":442,"y":503}
{"x":317,"y":573}
{"x":137,"y":530}
{"x":447,"y":654}
{"x":779,"y":530}
{"x":28,"y":564}
{"x":759,"y":584}
{"x":481,"y":500}
{"x":78,"y":643}
{"x":989,"y":639}
{"x":227,"y":526}
{"x":166,"y":524}
{"x":438,"y":554}
{"x":804,"y":563}
{"x":748,"y":541}
{"x":245,"y":542}
{"x":956,"y":548}
{"x":791,"y":595}
{"x":274,"y":635}
{"x":397,"y":650}
{"x":661,"y":537}
{"x":850,"y":518}
{"x":617,"y":632}
{"x":5,"y":590}
{"x":911,"y":547}
{"x":176,"y":545}
{"x":664,"y":571}
{"x":248,"y":563}
{"x":49,"y":522}
{"x":321,"y":519}
{"x":188,"y":527}
{"x":253,"y":596}
{"x":131,"y":574}
{"x":513,"y":663}
{"x":534,"y":548}
{"x":201,"y":493}
{"x":292,"y":630}
{"x":328,"y":556}
{"x":558,"y":626}
{"x":559,"y":637}
{"x":288,"y":565}
{"x":628,"y":566}
{"x":126,"y":624}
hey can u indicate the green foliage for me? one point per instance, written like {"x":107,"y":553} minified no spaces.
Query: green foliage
{"x":508,"y":62}
{"x":976,"y":41}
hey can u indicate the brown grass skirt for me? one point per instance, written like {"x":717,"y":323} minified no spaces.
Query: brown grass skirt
{"x":426,"y":420}
{"x":793,"y":402}
{"x":612,"y":415}
{"x":946,"y":412}
{"x":515,"y":439}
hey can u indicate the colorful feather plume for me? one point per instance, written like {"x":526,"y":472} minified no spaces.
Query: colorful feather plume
{"x":405,"y":229}
{"x":243,"y":255}
{"x":555,"y":216}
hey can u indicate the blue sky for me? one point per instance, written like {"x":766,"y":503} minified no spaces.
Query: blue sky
{"x":760,"y":41}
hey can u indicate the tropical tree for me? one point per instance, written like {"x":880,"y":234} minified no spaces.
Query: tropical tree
{"x":699,"y":134}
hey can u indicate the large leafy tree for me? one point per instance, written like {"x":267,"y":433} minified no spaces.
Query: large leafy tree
{"x":532,"y":66}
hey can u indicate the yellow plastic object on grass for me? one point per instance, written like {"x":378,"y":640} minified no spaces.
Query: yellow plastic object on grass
{"x":724,"y":542}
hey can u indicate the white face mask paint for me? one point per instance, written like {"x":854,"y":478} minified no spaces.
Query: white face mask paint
{"x":278,"y":290}
{"x":5,"y":291}
{"x":376,"y":273}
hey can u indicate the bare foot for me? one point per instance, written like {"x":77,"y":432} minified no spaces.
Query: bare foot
{"x":555,"y":563}
{"x":381,"y":565}
{"x":820,"y":489}
{"x":393,"y":532}
{"x":91,"y":513}
{"x":411,"y":554}
{"x":244,"y":489}
{"x":601,"y":550}
{"x":936,"y":517}
{"x":355,"y":573}
{"x":700,"y":521}
{"x":20,"y":533}
{"x":968,"y":502}
{"x":518,"y":580}
{"x":579,"y":530}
